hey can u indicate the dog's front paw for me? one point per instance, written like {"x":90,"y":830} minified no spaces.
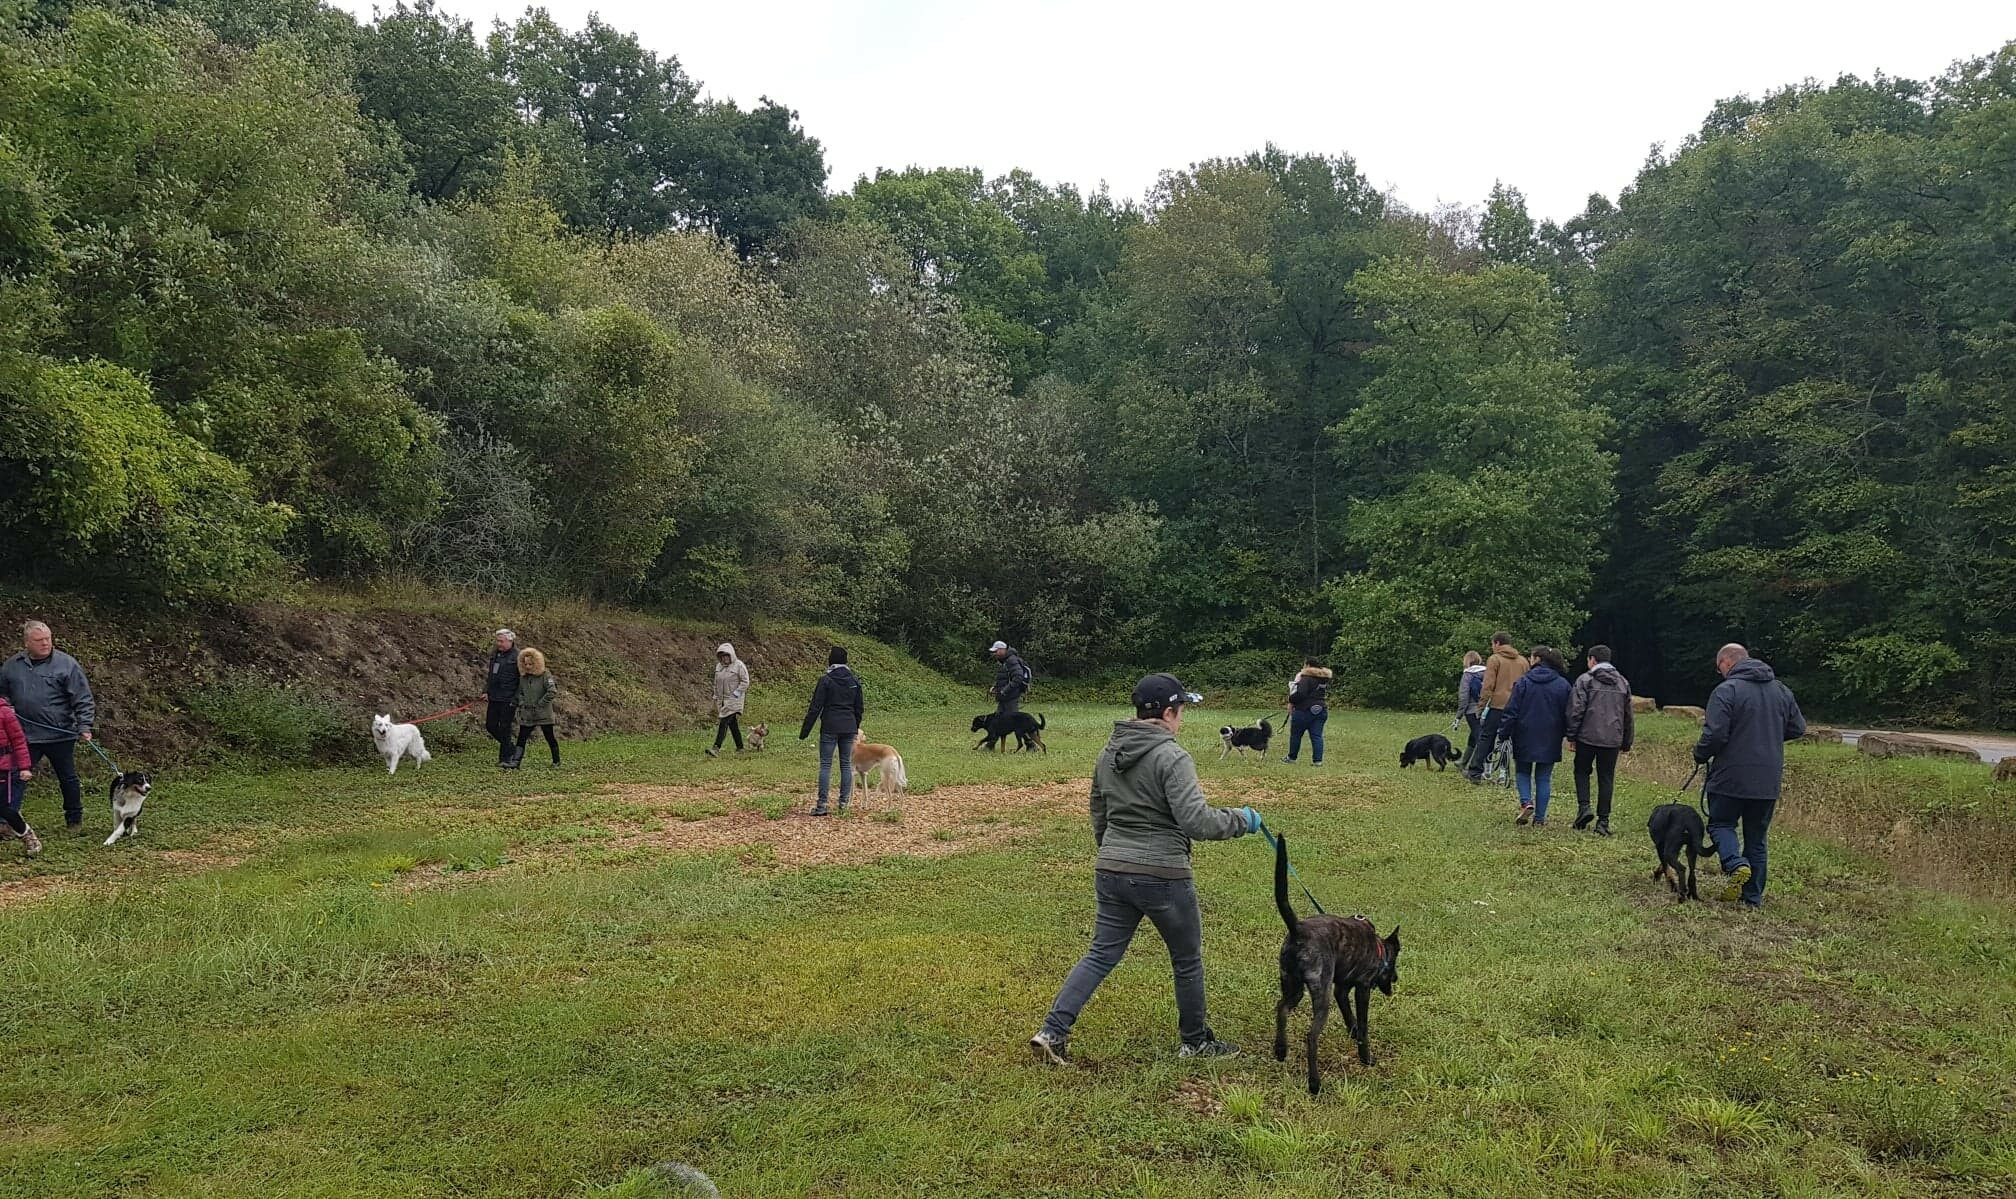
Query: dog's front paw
{"x":1280,"y":1051}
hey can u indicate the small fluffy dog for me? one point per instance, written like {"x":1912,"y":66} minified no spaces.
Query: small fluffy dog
{"x":395,"y":741}
{"x":129,"y":793}
{"x":1676,"y":828}
{"x":756,"y":736}
{"x":1253,"y":737}
{"x":1432,"y":748}
{"x":1323,"y":955}
{"x":869,"y":756}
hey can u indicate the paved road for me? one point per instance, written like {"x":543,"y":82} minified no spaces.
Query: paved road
{"x":1991,"y":749}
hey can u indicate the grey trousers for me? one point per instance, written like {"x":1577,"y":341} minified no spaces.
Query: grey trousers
{"x":1170,"y":904}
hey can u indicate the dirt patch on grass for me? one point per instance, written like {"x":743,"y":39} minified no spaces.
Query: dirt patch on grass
{"x":943,"y":821}
{"x":110,"y":871}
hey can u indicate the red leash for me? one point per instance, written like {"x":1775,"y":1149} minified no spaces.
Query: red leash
{"x":439,"y":715}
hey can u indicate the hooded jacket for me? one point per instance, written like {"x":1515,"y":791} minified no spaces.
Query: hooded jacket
{"x":1504,"y":668}
{"x":731,"y":682}
{"x":1147,"y":806}
{"x":1310,"y":692}
{"x":1011,"y":677}
{"x":535,"y":698}
{"x":1750,"y":717}
{"x":836,"y":706}
{"x":52,"y":699}
{"x":1599,"y":709}
{"x":1470,"y":691}
{"x":13,"y":743}
{"x":501,"y":687}
{"x":1536,"y":718}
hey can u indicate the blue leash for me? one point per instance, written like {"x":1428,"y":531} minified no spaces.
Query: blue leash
{"x":1306,"y":893}
{"x":72,"y":733}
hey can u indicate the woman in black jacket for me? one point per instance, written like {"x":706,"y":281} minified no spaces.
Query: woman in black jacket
{"x":837,"y":709}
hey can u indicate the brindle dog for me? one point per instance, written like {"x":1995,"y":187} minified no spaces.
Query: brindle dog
{"x":1322,"y":953}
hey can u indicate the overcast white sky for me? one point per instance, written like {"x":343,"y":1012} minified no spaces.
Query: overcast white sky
{"x":1436,"y":100}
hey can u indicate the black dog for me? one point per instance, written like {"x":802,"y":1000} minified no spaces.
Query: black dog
{"x":1253,"y":737}
{"x":1432,"y":748}
{"x":1325,"y":953}
{"x":1026,"y":729}
{"x":1676,"y":828}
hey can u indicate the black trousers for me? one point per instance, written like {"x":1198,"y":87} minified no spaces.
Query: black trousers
{"x":1487,"y":736}
{"x":1470,"y":747}
{"x":62,"y":758}
{"x":730,"y":724}
{"x":497,"y":722}
{"x":1603,"y":760}
{"x":1007,"y":706}
{"x":552,"y":742}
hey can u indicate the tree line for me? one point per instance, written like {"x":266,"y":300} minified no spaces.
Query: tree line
{"x":286,"y":295}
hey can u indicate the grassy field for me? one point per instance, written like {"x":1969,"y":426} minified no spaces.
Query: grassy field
{"x":458,"y":982}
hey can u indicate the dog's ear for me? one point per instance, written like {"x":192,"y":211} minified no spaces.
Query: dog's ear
{"x":1393,"y":941}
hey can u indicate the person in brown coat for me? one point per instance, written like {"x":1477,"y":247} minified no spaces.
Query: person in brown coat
{"x":1502,"y":669}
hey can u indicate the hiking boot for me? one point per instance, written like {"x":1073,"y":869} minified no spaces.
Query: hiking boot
{"x":29,"y":841}
{"x":1602,"y":828}
{"x":820,"y":811}
{"x":1525,"y":814}
{"x":1208,"y":1049}
{"x":1738,"y":878}
{"x":1049,"y":1050}
{"x":1582,"y":817}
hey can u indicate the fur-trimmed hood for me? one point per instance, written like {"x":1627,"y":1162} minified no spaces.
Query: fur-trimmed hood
{"x":1316,"y":672}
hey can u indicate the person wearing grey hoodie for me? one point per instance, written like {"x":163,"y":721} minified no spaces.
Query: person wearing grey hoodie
{"x":731,"y":686}
{"x":1147,"y":809}
{"x":1601,"y":725}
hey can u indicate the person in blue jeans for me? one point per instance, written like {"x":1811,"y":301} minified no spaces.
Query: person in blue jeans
{"x":1535,"y":721}
{"x":1308,"y":709}
{"x":837,"y":709}
{"x":1749,"y":719}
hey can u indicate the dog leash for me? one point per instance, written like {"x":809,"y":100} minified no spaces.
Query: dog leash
{"x":1306,"y":893}
{"x":72,"y":734}
{"x":1689,"y":786}
{"x":440,"y":715}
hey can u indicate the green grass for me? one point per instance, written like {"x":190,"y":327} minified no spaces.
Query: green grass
{"x":332,"y":983}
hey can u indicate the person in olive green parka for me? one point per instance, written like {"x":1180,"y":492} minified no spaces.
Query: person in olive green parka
{"x":535,"y":704}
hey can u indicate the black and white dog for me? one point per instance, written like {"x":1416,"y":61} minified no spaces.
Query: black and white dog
{"x":129,"y":793}
{"x":1254,"y":737}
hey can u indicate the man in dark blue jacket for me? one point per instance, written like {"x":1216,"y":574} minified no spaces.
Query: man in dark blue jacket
{"x":500,"y":688}
{"x":1750,"y":717}
{"x":838,"y":710}
{"x":53,"y":701}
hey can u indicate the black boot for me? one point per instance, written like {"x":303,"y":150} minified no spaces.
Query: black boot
{"x":1583,"y":816}
{"x":1602,"y":828}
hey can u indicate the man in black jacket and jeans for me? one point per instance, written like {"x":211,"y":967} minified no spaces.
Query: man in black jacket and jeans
{"x":501,"y":689}
{"x":1750,"y":718}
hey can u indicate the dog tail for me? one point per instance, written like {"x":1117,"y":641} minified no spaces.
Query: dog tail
{"x":1281,"y":884}
{"x":1041,"y":723}
{"x":894,"y":774}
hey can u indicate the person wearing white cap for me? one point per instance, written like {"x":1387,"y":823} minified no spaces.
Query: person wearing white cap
{"x":1011,"y":680}
{"x":501,"y":689}
{"x":731,"y":684}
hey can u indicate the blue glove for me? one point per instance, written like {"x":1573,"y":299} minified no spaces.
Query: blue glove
{"x":1252,"y":819}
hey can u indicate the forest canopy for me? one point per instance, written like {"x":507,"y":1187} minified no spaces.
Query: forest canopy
{"x":285,"y":295}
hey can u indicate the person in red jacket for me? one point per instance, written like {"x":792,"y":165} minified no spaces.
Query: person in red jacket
{"x":15,"y":771}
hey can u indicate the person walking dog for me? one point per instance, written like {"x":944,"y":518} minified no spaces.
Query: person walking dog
{"x":1536,"y":719}
{"x":1750,"y":717}
{"x":1308,"y":709}
{"x":1601,"y":725}
{"x":535,"y":704}
{"x":500,"y":688}
{"x":53,"y":701}
{"x":1011,"y":679}
{"x":838,"y":709}
{"x":1147,"y":808}
{"x":731,"y":687}
{"x":1502,"y":671}
{"x":1470,"y":698}
{"x":16,"y":768}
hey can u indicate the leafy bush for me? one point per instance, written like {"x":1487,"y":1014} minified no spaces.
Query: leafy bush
{"x":272,"y":721}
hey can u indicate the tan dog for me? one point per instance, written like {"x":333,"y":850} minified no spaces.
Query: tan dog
{"x":756,"y":736}
{"x":870,"y":756}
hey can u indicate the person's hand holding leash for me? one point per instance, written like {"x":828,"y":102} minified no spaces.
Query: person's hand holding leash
{"x":1252,"y":819}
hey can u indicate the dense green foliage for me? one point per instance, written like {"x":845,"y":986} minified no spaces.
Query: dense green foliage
{"x":283,"y":293}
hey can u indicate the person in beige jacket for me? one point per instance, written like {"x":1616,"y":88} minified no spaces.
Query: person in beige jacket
{"x":731,"y":685}
{"x":1502,"y":669}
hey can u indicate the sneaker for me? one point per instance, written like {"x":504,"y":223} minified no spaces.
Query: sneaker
{"x":1049,"y":1050}
{"x":1738,"y":878}
{"x":1525,"y":814}
{"x":74,"y":827}
{"x":1582,"y":818}
{"x":32,"y":842}
{"x":713,"y":753}
{"x":1208,"y":1049}
{"x":821,"y":811}
{"x":1539,"y":822}
{"x":1602,"y":828}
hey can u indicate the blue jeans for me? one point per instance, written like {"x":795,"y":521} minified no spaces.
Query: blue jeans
{"x":1536,"y":787}
{"x":1724,"y":813}
{"x":827,"y":744}
{"x":1170,"y":904}
{"x":1310,"y":722}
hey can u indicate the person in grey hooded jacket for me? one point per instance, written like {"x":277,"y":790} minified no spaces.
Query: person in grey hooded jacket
{"x":1147,"y":809}
{"x":53,"y":701}
{"x":1601,"y":725}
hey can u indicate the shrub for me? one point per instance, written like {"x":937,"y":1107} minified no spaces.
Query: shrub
{"x":273,"y":721}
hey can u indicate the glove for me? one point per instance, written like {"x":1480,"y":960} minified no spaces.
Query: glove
{"x":1252,"y":819}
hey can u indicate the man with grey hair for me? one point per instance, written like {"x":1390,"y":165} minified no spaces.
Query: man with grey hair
{"x":500,"y":687}
{"x":53,"y":700}
{"x":1750,"y":717}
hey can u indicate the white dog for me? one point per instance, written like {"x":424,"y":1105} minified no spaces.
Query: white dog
{"x":395,"y":741}
{"x":129,"y":794}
